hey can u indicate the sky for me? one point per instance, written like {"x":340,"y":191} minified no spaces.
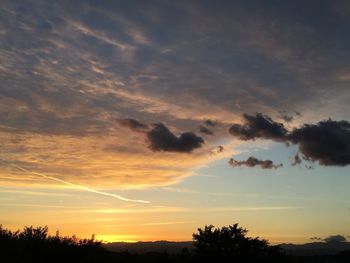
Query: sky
{"x":144,"y":120}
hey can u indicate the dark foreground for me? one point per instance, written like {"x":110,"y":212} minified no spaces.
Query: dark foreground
{"x":227,"y":244}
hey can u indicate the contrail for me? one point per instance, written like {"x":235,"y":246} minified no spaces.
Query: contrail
{"x":77,"y":186}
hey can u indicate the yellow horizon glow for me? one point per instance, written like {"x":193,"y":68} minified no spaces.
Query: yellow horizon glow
{"x":105,"y":238}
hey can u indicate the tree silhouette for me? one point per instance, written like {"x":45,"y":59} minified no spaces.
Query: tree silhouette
{"x":34,"y":233}
{"x":34,"y":244}
{"x":232,"y":243}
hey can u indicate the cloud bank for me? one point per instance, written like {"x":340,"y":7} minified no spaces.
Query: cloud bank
{"x":73,"y":69}
{"x":327,"y":142}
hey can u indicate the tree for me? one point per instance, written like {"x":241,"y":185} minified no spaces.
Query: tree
{"x":34,"y":244}
{"x":34,"y":233}
{"x":232,"y":243}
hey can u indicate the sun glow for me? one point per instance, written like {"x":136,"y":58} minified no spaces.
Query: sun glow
{"x":118,"y":238}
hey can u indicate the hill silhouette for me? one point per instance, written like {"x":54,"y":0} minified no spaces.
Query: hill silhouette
{"x":316,"y":248}
{"x":173,"y":247}
{"x":170,"y":247}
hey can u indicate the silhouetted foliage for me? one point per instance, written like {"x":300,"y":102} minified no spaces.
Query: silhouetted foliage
{"x":226,"y":244}
{"x":33,"y":244}
{"x":232,"y":243}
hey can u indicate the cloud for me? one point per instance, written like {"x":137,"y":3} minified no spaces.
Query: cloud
{"x":288,"y":117}
{"x":258,"y":126}
{"x":169,"y":209}
{"x":335,"y":239}
{"x":205,"y":130}
{"x":210,"y":123}
{"x":327,"y":142}
{"x":296,"y":160}
{"x":85,"y":161}
{"x":133,"y":124}
{"x":217,"y":150}
{"x":316,"y":238}
{"x":162,"y":139}
{"x":80,"y":187}
{"x":220,"y":148}
{"x":285,"y":116}
{"x":65,"y":83}
{"x":252,"y":162}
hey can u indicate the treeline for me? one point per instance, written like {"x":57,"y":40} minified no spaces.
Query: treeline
{"x":226,"y":244}
{"x":33,"y":244}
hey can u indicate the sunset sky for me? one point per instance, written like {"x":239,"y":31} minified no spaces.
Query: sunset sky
{"x":144,"y":120}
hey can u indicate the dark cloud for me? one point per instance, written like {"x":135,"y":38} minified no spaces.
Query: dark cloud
{"x":258,"y":126}
{"x":210,"y":123}
{"x":217,"y":150}
{"x":288,"y":117}
{"x":327,"y":142}
{"x":252,"y":162}
{"x":162,"y":139}
{"x":284,"y":116}
{"x":220,"y":148}
{"x":297,"y":160}
{"x":335,"y":239}
{"x":133,"y":124}
{"x":205,"y":130}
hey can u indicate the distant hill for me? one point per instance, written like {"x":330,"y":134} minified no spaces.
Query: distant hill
{"x":308,"y":249}
{"x":316,"y":248}
{"x":144,"y":247}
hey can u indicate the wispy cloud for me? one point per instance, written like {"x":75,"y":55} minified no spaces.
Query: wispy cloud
{"x":34,"y":193}
{"x":166,"y":223}
{"x":90,"y":65}
{"x":164,"y":209}
{"x":81,"y":187}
